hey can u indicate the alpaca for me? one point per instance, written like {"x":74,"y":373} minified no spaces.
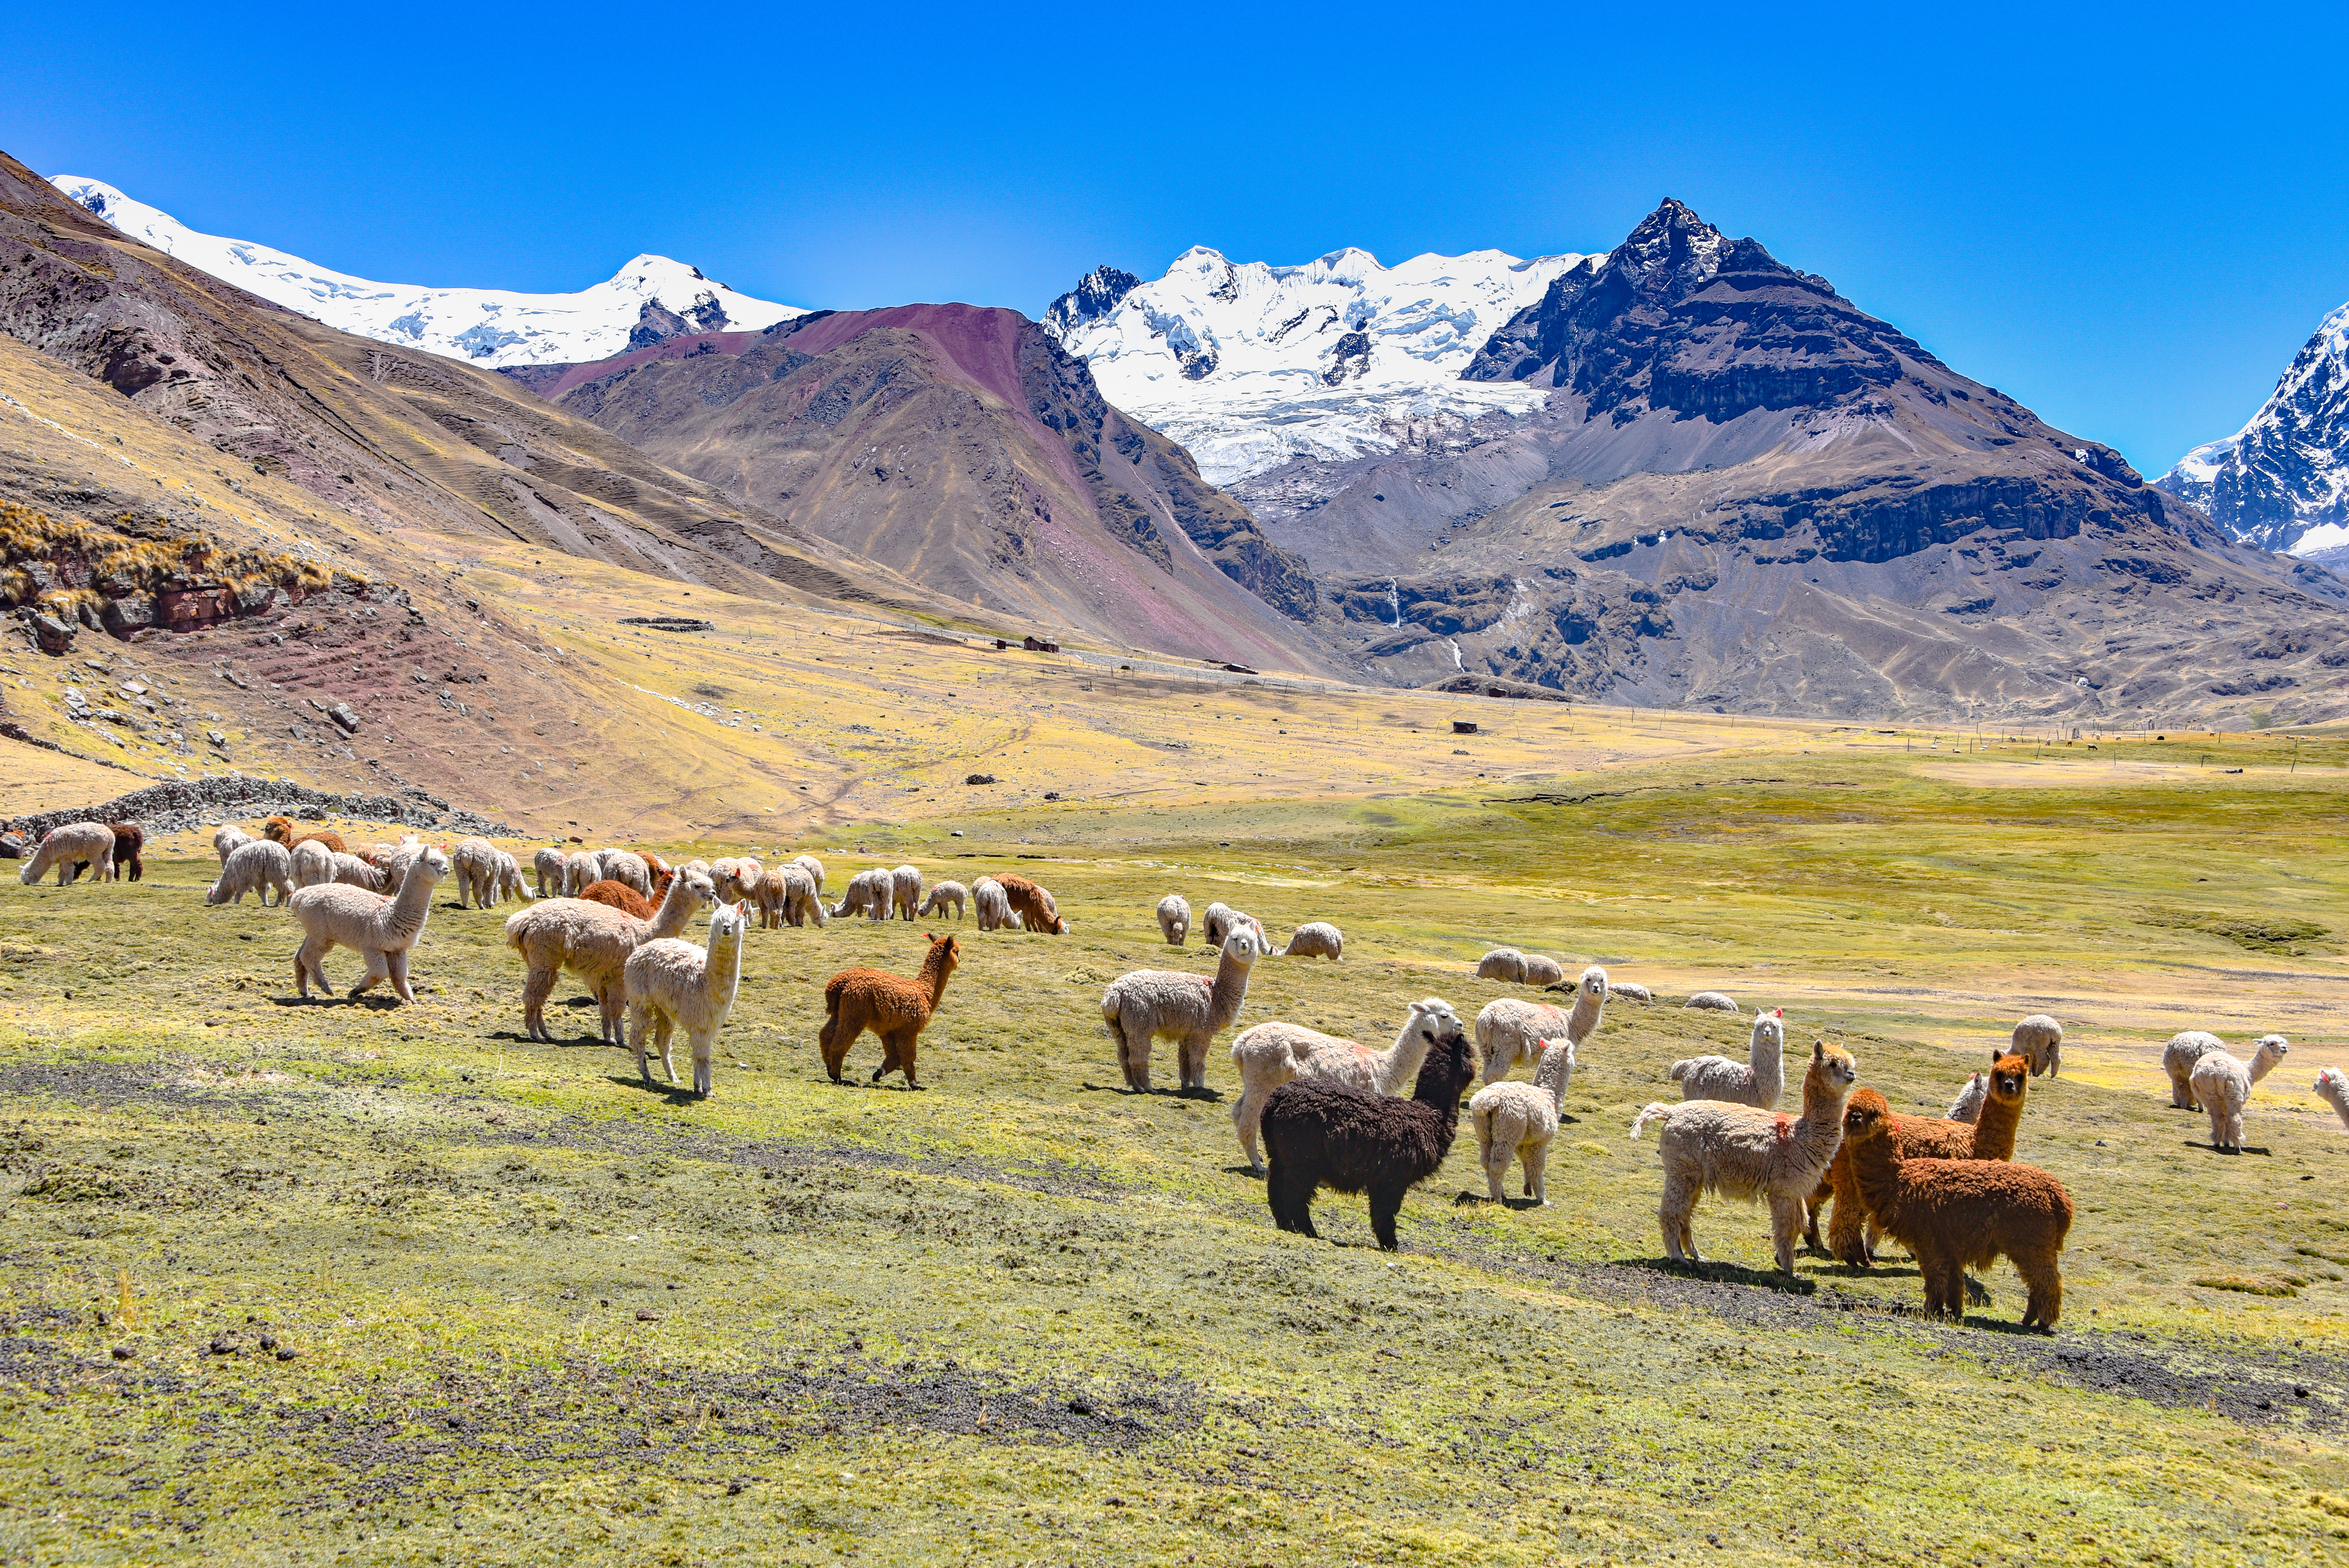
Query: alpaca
{"x":869,"y":893}
{"x":894,"y":1007}
{"x":2333,"y":1088}
{"x":255,"y":865}
{"x":618,"y":895}
{"x":352,"y":871}
{"x":1956,"y":1214}
{"x":1033,"y":903}
{"x":580,"y":871}
{"x":993,"y":909}
{"x":671,"y":983}
{"x":1270,"y":1055}
{"x":394,"y":860}
{"x":1140,"y":1006}
{"x":1221,"y":920}
{"x":628,"y":867}
{"x":594,"y":943}
{"x":130,"y":841}
{"x":1314,"y":939}
{"x":814,"y":869}
{"x":1710,"y":1001}
{"x":509,"y":883}
{"x":906,"y":890}
{"x":475,"y":861}
{"x":945,"y":894}
{"x":313,"y":862}
{"x":1756,"y":1081}
{"x":1543,"y":971}
{"x":799,"y":899}
{"x":1517,"y":1029}
{"x":1320,"y":1133}
{"x":69,"y":846}
{"x":1175,"y":919}
{"x":282,"y":829}
{"x":1520,"y":1120}
{"x":1968,"y":1105}
{"x":381,"y":928}
{"x":2222,"y":1083}
{"x":1743,"y":1151}
{"x":2177,"y":1059}
{"x":548,"y":865}
{"x":1853,"y":1233}
{"x":2039,"y":1039}
{"x":734,"y":877}
{"x":1502,"y":964}
{"x":226,"y":838}
{"x":1630,"y":992}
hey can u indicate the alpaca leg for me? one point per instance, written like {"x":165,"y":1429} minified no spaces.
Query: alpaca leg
{"x":2046,"y":1287}
{"x":1134,"y":1042}
{"x":1493,"y":1155}
{"x":1192,"y":1059}
{"x":378,"y":972}
{"x":1673,"y":1212}
{"x":833,"y":1041}
{"x":1785,"y":1226}
{"x":704,"y":1043}
{"x":397,"y":964}
{"x":662,"y":1025}
{"x":906,"y":1052}
{"x":1247,"y":1114}
{"x":1535,"y":1158}
{"x":614,"y":1000}
{"x":535,"y":989}
{"x":2218,"y":1126}
{"x":639,"y":1025}
{"x":1386,"y":1202}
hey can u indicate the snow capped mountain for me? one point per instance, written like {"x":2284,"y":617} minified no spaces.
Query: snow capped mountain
{"x":649,"y":299}
{"x":1249,"y":366}
{"x":2282,"y":480}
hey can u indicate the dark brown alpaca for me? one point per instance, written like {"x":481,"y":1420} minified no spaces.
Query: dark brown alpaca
{"x":1852,"y":1233}
{"x":1960,"y":1214}
{"x":1320,"y":1133}
{"x":281,"y":829}
{"x":130,"y":839}
{"x":1032,"y":902}
{"x":892,"y":1006}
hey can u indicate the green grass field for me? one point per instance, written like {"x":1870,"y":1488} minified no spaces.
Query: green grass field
{"x":382,"y":1284}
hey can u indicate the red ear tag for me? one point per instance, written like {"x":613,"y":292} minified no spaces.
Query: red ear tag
{"x":1785,"y":1129}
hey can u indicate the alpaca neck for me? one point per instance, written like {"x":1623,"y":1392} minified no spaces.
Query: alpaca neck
{"x":2263,"y":1063}
{"x":1994,"y":1127}
{"x":1441,"y":1096}
{"x":1551,"y":1074}
{"x":933,"y":978}
{"x":1767,"y":1055}
{"x":1229,"y":991}
{"x":411,"y":903}
{"x":1822,"y":1120}
{"x":1875,"y":1167}
{"x":721,"y":967}
{"x":1584,"y":1019}
{"x":1402,"y":1059}
{"x":674,"y":910}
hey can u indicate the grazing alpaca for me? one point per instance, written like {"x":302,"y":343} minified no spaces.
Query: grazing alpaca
{"x":580,"y":870}
{"x":2332,"y":1089}
{"x":281,"y":828}
{"x":1221,"y":920}
{"x":1630,"y":992}
{"x":802,"y":899}
{"x":2177,"y":1059}
{"x":352,"y":871}
{"x":1710,"y":1001}
{"x":1543,"y":971}
{"x":1502,"y":964}
{"x":2222,"y":1083}
{"x":814,"y":867}
{"x":1512,"y":1031}
{"x":945,"y":894}
{"x":1270,"y":1055}
{"x":381,"y":928}
{"x":906,"y":890}
{"x":1956,"y":1214}
{"x":1175,"y":919}
{"x":2039,"y":1039}
{"x":1520,"y":1120}
{"x":1032,"y":902}
{"x":993,"y":908}
{"x":227,"y":837}
{"x":894,"y":1007}
{"x":1318,"y":1133}
{"x":129,"y":840}
{"x":69,"y":846}
{"x":509,"y":883}
{"x":592,"y":941}
{"x":1741,"y":1151}
{"x":1758,"y":1080}
{"x":627,"y":867}
{"x":868,"y":894}
{"x":1140,"y":1006}
{"x":548,"y":864}
{"x":618,"y":895}
{"x":475,"y":861}
{"x":1314,"y":939}
{"x":671,"y":983}
{"x":255,"y":865}
{"x":313,"y":862}
{"x":1852,"y":1234}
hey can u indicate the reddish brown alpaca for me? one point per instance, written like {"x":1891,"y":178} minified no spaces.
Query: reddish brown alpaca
{"x":1033,"y":903}
{"x":619,"y":895}
{"x":892,"y":1006}
{"x":1956,"y":1214}
{"x":1851,"y":1235}
{"x":281,"y":828}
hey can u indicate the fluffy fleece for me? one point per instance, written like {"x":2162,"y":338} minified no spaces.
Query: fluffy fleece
{"x":1314,"y":939}
{"x":675,"y":984}
{"x":1321,"y":1133}
{"x":868,"y":893}
{"x":627,"y":866}
{"x":2222,"y":1085}
{"x":1220,"y":920}
{"x":1175,"y":919}
{"x":2039,"y":1040}
{"x":1956,"y":1214}
{"x":814,"y":867}
{"x":227,"y":837}
{"x":1520,"y":968}
{"x":130,"y":846}
{"x":1270,"y":1055}
{"x":592,"y":941}
{"x":905,"y":892}
{"x":547,"y":866}
{"x":255,"y":865}
{"x":380,"y":928}
{"x":313,"y":862}
{"x":1710,"y":1001}
{"x":1853,"y":1232}
{"x":352,"y":871}
{"x":1138,"y":1007}
{"x":1520,"y":1120}
{"x":942,"y":894}
{"x":1758,"y":1080}
{"x":1032,"y":902}
{"x":2177,"y":1059}
{"x":1968,"y":1105}
{"x":68,"y":847}
{"x":1511,"y":1030}
{"x":1743,"y":1152}
{"x":894,"y":1007}
{"x":282,"y":829}
{"x":475,"y":861}
{"x":2332,"y":1087}
{"x":620,"y":896}
{"x":735,"y":877}
{"x":994,"y":910}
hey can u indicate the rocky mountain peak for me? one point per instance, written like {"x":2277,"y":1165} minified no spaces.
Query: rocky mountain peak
{"x":2281,"y":481}
{"x":1097,"y":293}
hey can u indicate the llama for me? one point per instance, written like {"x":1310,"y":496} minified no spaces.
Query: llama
{"x":906,"y":890}
{"x":671,"y":983}
{"x":226,"y":838}
{"x":1710,"y":1001}
{"x":1968,"y":1105}
{"x":2177,"y":1059}
{"x":814,"y":867}
{"x":2222,"y":1084}
{"x":255,"y":865}
{"x":475,"y":861}
{"x":352,"y":871}
{"x":993,"y":909}
{"x":1221,"y":920}
{"x":548,"y":864}
{"x":1511,"y":1030}
{"x":594,"y":943}
{"x":869,"y":893}
{"x":1956,"y":1214}
{"x":618,"y":895}
{"x":2333,"y":1088}
{"x":1321,"y":1133}
{"x":942,"y":894}
{"x":1630,"y":992}
{"x":1756,"y":1081}
{"x":1144,"y":1004}
{"x":1743,"y":1151}
{"x":381,"y":928}
{"x":1314,"y":939}
{"x":1033,"y":903}
{"x":1270,"y":1055}
{"x":2040,"y":1040}
{"x":130,"y":842}
{"x":1520,"y":1120}
{"x":1175,"y":919}
{"x":313,"y":863}
{"x":1853,"y":1233}
{"x":894,"y":1007}
{"x":282,"y":829}
{"x":69,"y":846}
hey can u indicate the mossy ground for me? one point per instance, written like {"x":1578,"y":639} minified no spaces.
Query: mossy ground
{"x":541,"y":1312}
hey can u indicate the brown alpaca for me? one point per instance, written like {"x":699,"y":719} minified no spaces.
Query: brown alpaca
{"x":892,"y":1006}
{"x":129,"y":840}
{"x":619,"y":895}
{"x":281,"y":830}
{"x":1033,"y":904}
{"x":1852,"y":1233}
{"x":1960,"y":1214}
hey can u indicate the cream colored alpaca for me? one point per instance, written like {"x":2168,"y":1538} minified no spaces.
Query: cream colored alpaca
{"x":1140,"y":1006}
{"x":814,"y":867}
{"x":802,"y":899}
{"x":2177,"y":1059}
{"x":1221,"y":920}
{"x":1511,"y":1030}
{"x":1629,"y":992}
{"x":945,"y":894}
{"x":226,"y":838}
{"x":593,"y":941}
{"x":992,"y":905}
{"x":869,"y":894}
{"x":548,"y":866}
{"x":628,"y":868}
{"x":380,"y":928}
{"x":1968,"y":1105}
{"x":1502,"y":964}
{"x":2332,"y":1089}
{"x":255,"y":865}
{"x":2222,"y":1083}
{"x":1741,"y":1151}
{"x":1520,"y":1120}
{"x":509,"y":883}
{"x":1175,"y":919}
{"x":1315,"y":939}
{"x":581,"y":871}
{"x":352,"y":871}
{"x":671,"y":983}
{"x":1270,"y":1055}
{"x":313,"y":863}
{"x":67,"y":847}
{"x":475,"y":861}
{"x":735,"y":877}
{"x":1710,"y":1001}
{"x":1757,"y":1081}
{"x":906,"y":890}
{"x":2039,"y":1040}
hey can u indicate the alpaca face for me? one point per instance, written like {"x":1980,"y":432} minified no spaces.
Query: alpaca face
{"x":2010,"y":1076}
{"x":1437,"y":1024}
{"x":1594,"y":983}
{"x":1771,"y":1026}
{"x":2330,"y":1083}
{"x":1834,"y":1063}
{"x":1866,"y":1117}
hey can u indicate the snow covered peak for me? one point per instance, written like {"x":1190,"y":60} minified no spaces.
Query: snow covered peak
{"x":2282,"y":480}
{"x":1249,"y":364}
{"x":650,"y":298}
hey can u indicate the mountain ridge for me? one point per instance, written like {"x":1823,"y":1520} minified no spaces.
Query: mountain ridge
{"x":2281,"y":481}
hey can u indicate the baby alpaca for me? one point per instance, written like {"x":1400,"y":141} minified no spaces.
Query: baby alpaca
{"x":1710,"y":1001}
{"x":381,"y":929}
{"x":942,"y":894}
{"x":68,"y":847}
{"x":892,"y":1006}
{"x":2039,"y":1039}
{"x":1511,"y":1031}
{"x":1270,"y":1055}
{"x":129,"y":840}
{"x":673,"y":983}
{"x":2222,"y":1084}
{"x":1320,"y":1133}
{"x":1520,"y":1120}
{"x":2332,"y":1089}
{"x":1756,"y":1081}
{"x":906,"y":890}
{"x":1140,"y":1006}
{"x":1221,"y":920}
{"x":255,"y":865}
{"x":1175,"y":919}
{"x":994,"y":909}
{"x":1314,"y":939}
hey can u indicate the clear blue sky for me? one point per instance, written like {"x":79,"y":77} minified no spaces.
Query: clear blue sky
{"x":2129,"y":219}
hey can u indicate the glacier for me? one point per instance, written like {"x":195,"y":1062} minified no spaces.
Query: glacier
{"x":2281,"y":481}
{"x":488,"y":328}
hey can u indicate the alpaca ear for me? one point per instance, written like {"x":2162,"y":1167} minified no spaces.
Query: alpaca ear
{"x":1818,"y":1050}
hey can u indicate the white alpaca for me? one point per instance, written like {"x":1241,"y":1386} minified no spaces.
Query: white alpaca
{"x":2177,"y":1059}
{"x":1968,"y":1105}
{"x":2332,"y":1089}
{"x":628,"y":868}
{"x":226,"y":838}
{"x":802,"y":899}
{"x":1520,"y":1120}
{"x":814,"y":869}
{"x":2039,"y":1040}
{"x":1511,"y":1030}
{"x":906,"y":890}
{"x":1175,"y":919}
{"x":1221,"y":920}
{"x":380,"y":928}
{"x":1270,"y":1055}
{"x":735,"y":877}
{"x":581,"y":871}
{"x":313,"y":863}
{"x":992,"y":905}
{"x":1756,"y":1081}
{"x":352,"y":871}
{"x":1710,"y":1001}
{"x":475,"y":861}
{"x":594,"y":941}
{"x":67,"y":847}
{"x":1502,"y":964}
{"x":1541,"y":970}
{"x":548,"y":864}
{"x":1741,"y":1151}
{"x":1314,"y":939}
{"x":509,"y":883}
{"x":255,"y":865}
{"x":2223,"y":1082}
{"x":869,"y":894}
{"x":945,"y":894}
{"x":675,"y":983}
{"x":1630,"y":991}
{"x":1140,"y":1006}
